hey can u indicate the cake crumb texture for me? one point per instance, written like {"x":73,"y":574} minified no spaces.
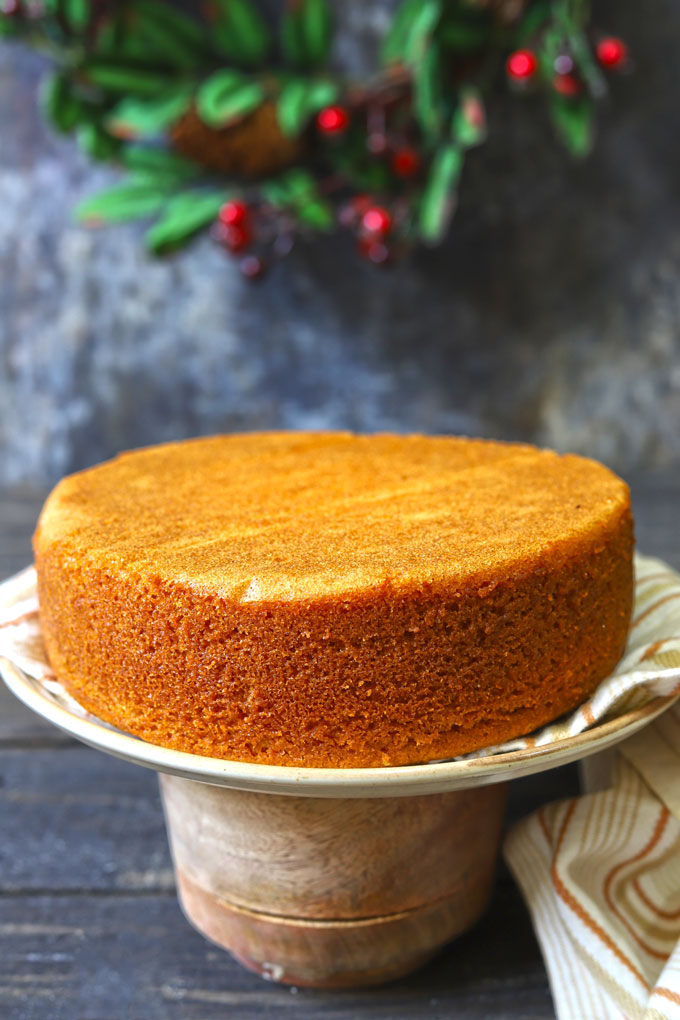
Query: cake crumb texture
{"x":333,"y":600}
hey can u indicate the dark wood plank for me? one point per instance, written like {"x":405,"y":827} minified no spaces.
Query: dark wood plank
{"x":135,"y":958}
{"x":87,"y":830}
{"x":80,"y":821}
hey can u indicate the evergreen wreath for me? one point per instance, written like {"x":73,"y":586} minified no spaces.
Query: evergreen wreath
{"x":222,"y":120}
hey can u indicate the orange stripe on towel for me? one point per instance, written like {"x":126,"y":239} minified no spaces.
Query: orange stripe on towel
{"x":668,"y":993}
{"x":656,"y":605}
{"x":669,"y":915}
{"x":582,"y":914}
{"x":654,"y":839}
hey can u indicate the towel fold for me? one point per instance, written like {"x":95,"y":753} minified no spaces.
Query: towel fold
{"x":600,"y":873}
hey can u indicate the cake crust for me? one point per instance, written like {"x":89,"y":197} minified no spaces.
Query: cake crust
{"x":332,"y":600}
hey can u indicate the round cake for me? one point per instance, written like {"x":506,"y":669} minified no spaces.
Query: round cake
{"x":334,"y":600}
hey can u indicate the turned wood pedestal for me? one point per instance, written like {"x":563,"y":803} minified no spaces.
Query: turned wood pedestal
{"x":331,"y":892}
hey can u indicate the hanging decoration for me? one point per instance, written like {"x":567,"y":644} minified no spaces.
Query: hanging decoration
{"x":224,"y":121}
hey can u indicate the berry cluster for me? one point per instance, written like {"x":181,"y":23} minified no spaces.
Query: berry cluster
{"x":259,"y":234}
{"x":523,"y":66}
{"x":235,"y":230}
{"x":258,"y":237}
{"x":372,"y":224}
{"x":404,"y":159}
{"x":196,"y":104}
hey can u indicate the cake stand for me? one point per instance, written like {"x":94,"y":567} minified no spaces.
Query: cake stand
{"x":329,"y":877}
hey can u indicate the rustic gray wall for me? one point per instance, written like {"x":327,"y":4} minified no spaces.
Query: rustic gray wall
{"x":552,"y":314}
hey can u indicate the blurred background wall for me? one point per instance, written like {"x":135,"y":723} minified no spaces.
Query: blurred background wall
{"x":552,"y":314}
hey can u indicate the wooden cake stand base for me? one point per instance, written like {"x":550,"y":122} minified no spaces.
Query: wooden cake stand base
{"x":329,"y":892}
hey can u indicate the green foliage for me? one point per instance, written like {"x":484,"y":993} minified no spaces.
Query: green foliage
{"x":131,"y":200}
{"x":395,"y":43}
{"x":150,"y":163}
{"x":297,"y":191}
{"x":562,"y":30}
{"x":306,"y":32}
{"x":76,"y":13}
{"x":59,"y":103}
{"x":574,"y":122}
{"x":428,"y":92}
{"x":422,"y":31}
{"x":316,"y":213}
{"x":240,"y":32}
{"x":96,"y":142}
{"x":465,"y":36}
{"x":121,"y":78}
{"x":128,"y":71}
{"x":227,"y":96}
{"x":301,"y":98}
{"x":361,"y":170}
{"x":535,"y":19}
{"x":142,"y":118}
{"x":438,"y":201}
{"x":9,"y":27}
{"x":586,"y":63}
{"x":183,"y":217}
{"x":169,"y":34}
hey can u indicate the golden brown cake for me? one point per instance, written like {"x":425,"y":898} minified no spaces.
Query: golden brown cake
{"x":327,"y":599}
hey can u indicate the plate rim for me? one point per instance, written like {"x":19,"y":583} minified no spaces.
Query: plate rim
{"x":389,"y":781}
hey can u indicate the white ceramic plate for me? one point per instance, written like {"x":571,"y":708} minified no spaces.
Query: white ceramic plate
{"x":402,"y":781}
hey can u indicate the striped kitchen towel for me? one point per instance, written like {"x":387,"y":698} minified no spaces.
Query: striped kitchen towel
{"x":601,"y":873}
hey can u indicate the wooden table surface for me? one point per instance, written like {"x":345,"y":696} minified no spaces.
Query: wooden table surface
{"x":90,"y":928}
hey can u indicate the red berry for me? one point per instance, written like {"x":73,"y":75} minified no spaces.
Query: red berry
{"x":376,"y":252}
{"x":376,"y":221}
{"x":521,"y":65}
{"x":405,"y":162}
{"x":332,"y":120}
{"x":352,"y":210}
{"x":566,"y":84}
{"x":236,"y":238}
{"x":612,"y":52}
{"x":360,"y":203}
{"x":233,"y":213}
{"x":253,"y":267}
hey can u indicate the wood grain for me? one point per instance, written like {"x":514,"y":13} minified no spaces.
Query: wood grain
{"x":309,"y":857}
{"x":332,"y":893}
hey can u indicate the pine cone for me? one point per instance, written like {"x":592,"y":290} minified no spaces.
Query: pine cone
{"x":252,"y":147}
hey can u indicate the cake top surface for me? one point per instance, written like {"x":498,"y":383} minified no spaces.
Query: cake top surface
{"x":293,"y":515}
